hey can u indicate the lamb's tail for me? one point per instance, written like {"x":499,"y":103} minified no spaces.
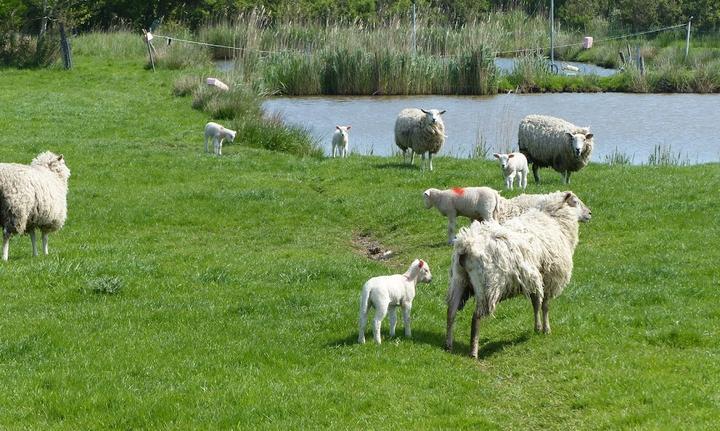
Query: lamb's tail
{"x":364,"y":298}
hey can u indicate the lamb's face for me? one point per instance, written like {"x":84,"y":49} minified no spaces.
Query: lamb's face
{"x":231,"y":135}
{"x":432,"y":116}
{"x":503,"y":159}
{"x":583,"y":212}
{"x":424,"y":276}
{"x":426,"y":198}
{"x":577,"y":142}
{"x":343,"y":130}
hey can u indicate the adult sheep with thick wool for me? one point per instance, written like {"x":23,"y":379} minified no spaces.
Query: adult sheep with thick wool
{"x":529,"y":255}
{"x":420,"y":131}
{"x":554,"y":142}
{"x":33,"y":197}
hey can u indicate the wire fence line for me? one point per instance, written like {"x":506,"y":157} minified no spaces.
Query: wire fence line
{"x":171,"y":39}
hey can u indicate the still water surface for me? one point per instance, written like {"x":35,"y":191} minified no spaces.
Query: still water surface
{"x":631,"y":124}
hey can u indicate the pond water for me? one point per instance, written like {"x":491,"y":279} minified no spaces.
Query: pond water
{"x":630,"y":124}
{"x":506,"y":65}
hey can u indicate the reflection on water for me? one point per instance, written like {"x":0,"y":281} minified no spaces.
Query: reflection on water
{"x":631,"y":124}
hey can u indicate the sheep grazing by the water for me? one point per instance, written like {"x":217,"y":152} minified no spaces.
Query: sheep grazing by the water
{"x":340,"y":140}
{"x":33,"y":197}
{"x":475,"y":203}
{"x":218,"y":134}
{"x":385,"y":293}
{"x":512,"y":165}
{"x":529,"y":255}
{"x":420,"y":131}
{"x":553,"y":142}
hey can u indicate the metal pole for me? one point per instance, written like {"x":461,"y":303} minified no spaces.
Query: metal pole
{"x":687,"y":39}
{"x":552,"y":31}
{"x":414,"y":37}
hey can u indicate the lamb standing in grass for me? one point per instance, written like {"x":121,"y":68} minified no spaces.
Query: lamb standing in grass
{"x":475,"y":203}
{"x":513,"y":164}
{"x":33,"y":197}
{"x":218,"y":133}
{"x":529,"y":255}
{"x":387,"y":292}
{"x":421,"y":132}
{"x":340,"y":141}
{"x":550,"y":141}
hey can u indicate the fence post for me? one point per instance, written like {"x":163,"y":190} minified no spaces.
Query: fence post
{"x":552,"y":31}
{"x":65,"y":46}
{"x":687,"y":39}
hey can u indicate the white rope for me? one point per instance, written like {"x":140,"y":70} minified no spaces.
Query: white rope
{"x":496,"y":53}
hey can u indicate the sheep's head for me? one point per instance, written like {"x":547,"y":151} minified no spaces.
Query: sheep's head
{"x":577,"y":142}
{"x":504,"y":159}
{"x":583,"y":212}
{"x":231,"y":134}
{"x":343,"y":130}
{"x":423,"y":270}
{"x":432,"y":116}
{"x":427,"y":199}
{"x":52,"y":162}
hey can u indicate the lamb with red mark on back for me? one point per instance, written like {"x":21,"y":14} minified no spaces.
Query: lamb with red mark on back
{"x":475,"y":203}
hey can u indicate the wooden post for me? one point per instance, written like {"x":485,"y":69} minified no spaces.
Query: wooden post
{"x":65,"y":45}
{"x":149,"y":48}
{"x":687,"y":39}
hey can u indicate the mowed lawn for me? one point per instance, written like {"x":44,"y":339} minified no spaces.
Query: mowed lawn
{"x":236,"y":283}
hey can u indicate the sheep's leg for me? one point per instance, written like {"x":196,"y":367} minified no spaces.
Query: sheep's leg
{"x":536,"y":302}
{"x":406,"y":319}
{"x":535,"y":173}
{"x":361,"y":325}
{"x":32,"y":241}
{"x":523,"y":179}
{"x":474,"y":334}
{"x":453,"y":305}
{"x":6,"y":245}
{"x":451,"y":228}
{"x":546,"y":317}
{"x":566,"y":177}
{"x":380,"y":313}
{"x":430,"y":158}
{"x":392,"y":315}
{"x":45,"y":242}
{"x":412,"y":156}
{"x":206,"y":145}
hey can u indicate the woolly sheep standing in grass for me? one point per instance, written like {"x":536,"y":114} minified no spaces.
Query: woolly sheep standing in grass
{"x":340,"y":141}
{"x":550,"y":141}
{"x":387,"y":292}
{"x":512,"y":165}
{"x":33,"y":197}
{"x":420,"y":131}
{"x":529,"y":255}
{"x":475,"y":203}
{"x":217,"y":133}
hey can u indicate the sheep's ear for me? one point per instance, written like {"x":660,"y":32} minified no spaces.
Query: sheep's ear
{"x":589,"y":136}
{"x":420,"y":265}
{"x":60,"y":158}
{"x":569,"y":199}
{"x":442,"y":112}
{"x":348,"y":127}
{"x":569,"y":135}
{"x":337,"y":127}
{"x":424,"y":111}
{"x":496,"y":155}
{"x":511,"y":155}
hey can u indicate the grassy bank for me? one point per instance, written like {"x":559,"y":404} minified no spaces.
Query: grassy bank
{"x":188,"y":291}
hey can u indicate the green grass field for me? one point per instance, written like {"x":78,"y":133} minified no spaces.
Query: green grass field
{"x":237,"y":280}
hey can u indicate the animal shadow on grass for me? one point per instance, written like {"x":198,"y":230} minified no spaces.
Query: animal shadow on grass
{"x":396,"y":165}
{"x":487,"y":348}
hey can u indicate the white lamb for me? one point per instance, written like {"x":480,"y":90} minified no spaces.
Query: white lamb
{"x":387,"y":292}
{"x":340,"y":140}
{"x":33,"y":197}
{"x":420,"y":131}
{"x":529,"y":255}
{"x":554,"y":142}
{"x":475,"y":203}
{"x":512,"y":165}
{"x":218,"y":133}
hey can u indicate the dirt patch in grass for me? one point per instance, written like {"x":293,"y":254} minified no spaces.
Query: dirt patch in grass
{"x":371,"y":247}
